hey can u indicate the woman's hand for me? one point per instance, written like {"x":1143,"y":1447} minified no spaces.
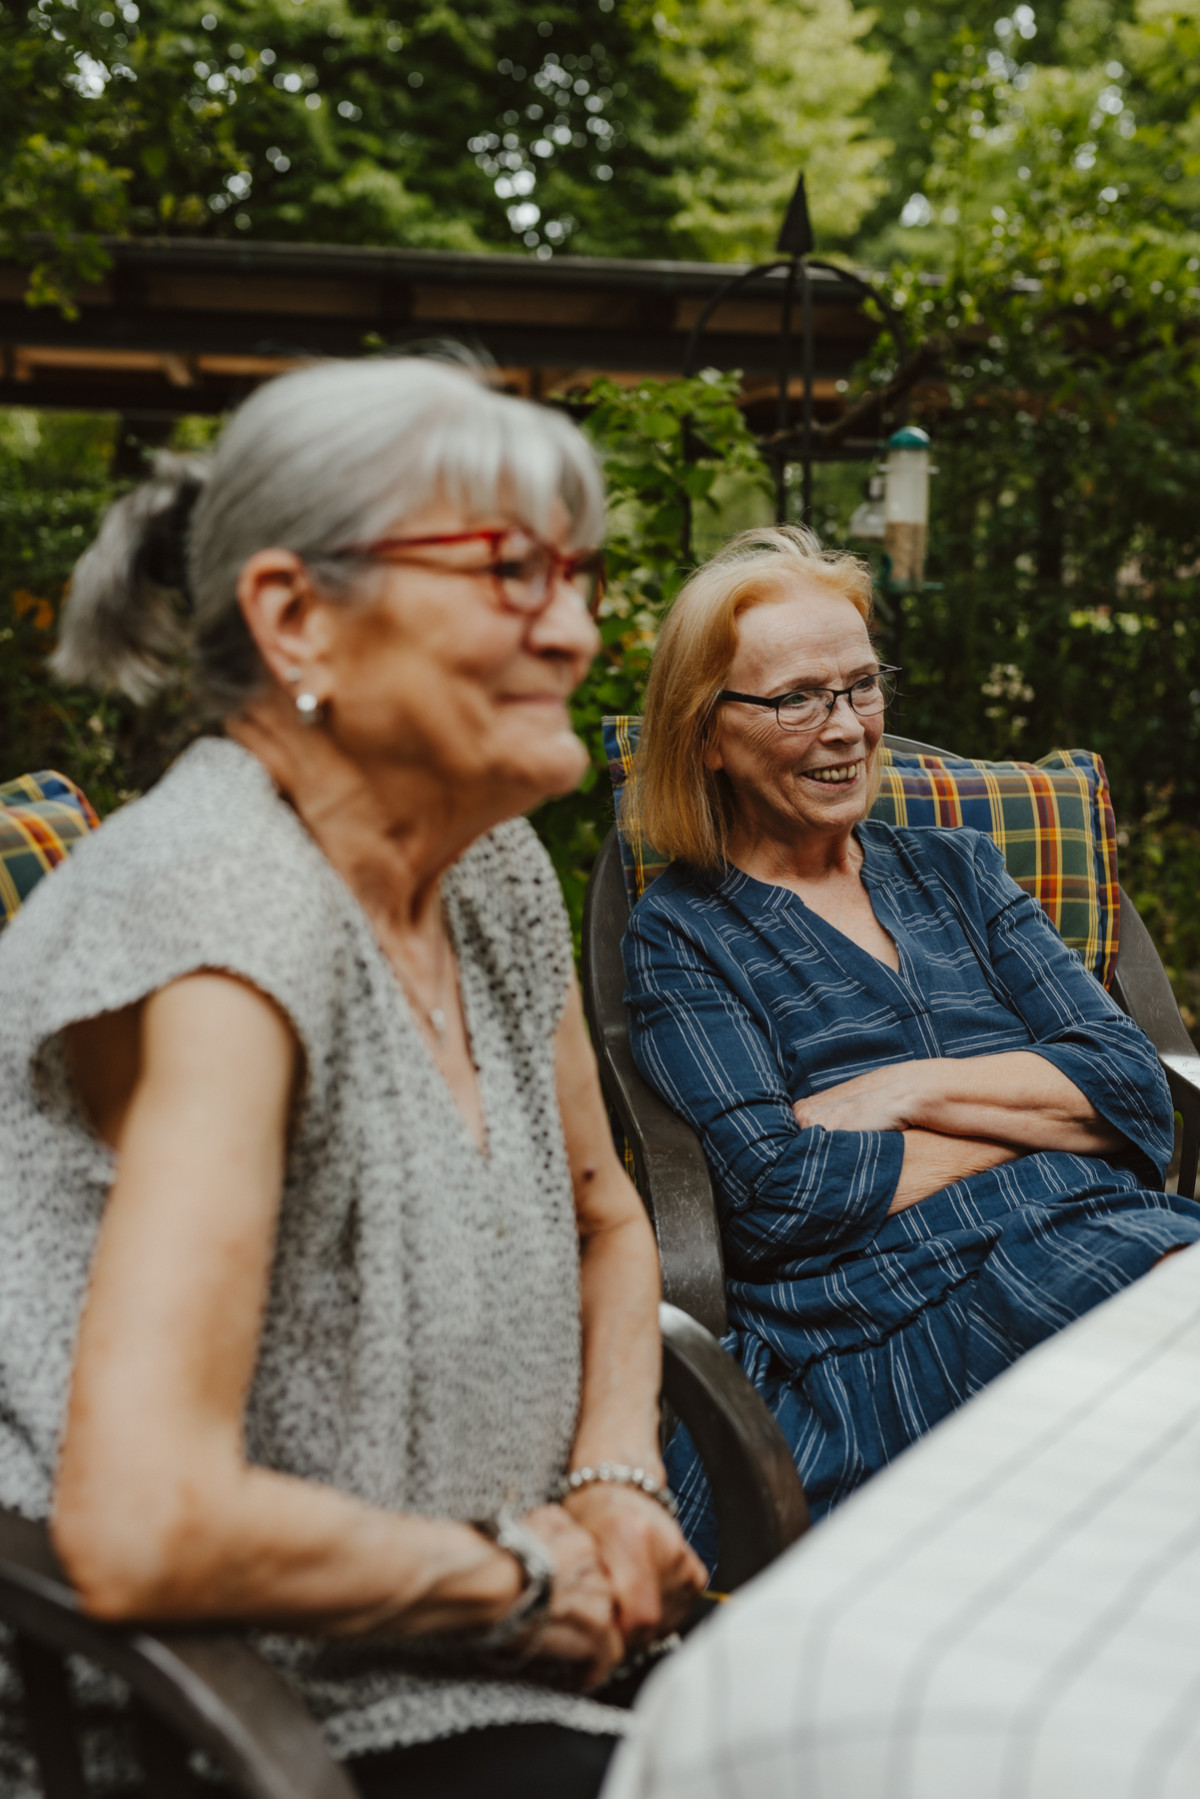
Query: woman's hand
{"x":933,"y":1162}
{"x":883,"y":1100}
{"x":655,"y":1576}
{"x":582,"y":1623}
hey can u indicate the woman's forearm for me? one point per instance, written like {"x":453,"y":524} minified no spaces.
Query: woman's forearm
{"x":1018,"y":1098}
{"x":933,"y":1161}
{"x":220,"y":1539}
{"x":622,"y":1352}
{"x":620,"y":1284}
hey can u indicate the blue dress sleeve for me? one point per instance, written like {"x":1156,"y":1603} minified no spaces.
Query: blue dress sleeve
{"x":786,"y":1194}
{"x":1071,"y":1020}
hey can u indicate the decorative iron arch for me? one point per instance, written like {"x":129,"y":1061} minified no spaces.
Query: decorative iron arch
{"x":794,"y":248}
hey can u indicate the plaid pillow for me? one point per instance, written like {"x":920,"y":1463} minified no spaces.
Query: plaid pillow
{"x":1052,"y":820}
{"x":42,"y":818}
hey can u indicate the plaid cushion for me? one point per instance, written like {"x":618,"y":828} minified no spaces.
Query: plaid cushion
{"x":42,"y":818}
{"x":1052,"y":820}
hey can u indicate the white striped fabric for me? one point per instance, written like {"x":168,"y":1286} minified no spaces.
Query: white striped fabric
{"x":1010,"y":1611}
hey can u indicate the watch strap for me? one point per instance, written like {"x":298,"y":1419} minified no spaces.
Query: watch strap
{"x":529,"y":1613}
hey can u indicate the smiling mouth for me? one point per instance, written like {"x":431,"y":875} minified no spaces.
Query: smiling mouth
{"x":835,"y":776}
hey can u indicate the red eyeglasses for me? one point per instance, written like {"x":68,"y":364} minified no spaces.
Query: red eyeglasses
{"x":525,"y":570}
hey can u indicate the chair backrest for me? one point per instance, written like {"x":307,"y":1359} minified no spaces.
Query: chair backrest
{"x":1052,"y":821}
{"x":188,"y":1690}
{"x":669,"y":1166}
{"x":42,"y":818}
{"x":670,"y":1171}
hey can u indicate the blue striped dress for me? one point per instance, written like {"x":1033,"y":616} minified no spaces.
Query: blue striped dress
{"x":861,"y":1330}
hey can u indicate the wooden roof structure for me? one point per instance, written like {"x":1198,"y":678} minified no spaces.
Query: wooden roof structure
{"x":192,"y":325}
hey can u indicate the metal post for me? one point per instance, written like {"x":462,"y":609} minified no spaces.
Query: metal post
{"x":806,"y":492}
{"x":794,"y":254}
{"x":783,"y":399}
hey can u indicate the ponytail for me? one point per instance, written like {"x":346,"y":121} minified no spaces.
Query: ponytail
{"x":127,"y":625}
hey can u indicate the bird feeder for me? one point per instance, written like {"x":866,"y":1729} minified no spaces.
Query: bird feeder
{"x":867,"y":520}
{"x":906,"y":505}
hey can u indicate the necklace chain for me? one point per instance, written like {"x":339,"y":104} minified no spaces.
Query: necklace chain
{"x":434,"y":1015}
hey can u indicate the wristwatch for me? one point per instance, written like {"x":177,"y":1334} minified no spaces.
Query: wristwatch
{"x":529,"y":1614}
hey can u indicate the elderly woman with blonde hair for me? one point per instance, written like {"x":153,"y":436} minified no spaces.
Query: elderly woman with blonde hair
{"x":934,"y":1138}
{"x":327,"y":1304}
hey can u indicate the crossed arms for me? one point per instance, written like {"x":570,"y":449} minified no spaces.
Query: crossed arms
{"x":819,"y":1175}
{"x":960,"y":1115}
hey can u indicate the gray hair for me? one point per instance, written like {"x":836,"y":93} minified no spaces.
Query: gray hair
{"x":335,"y":454}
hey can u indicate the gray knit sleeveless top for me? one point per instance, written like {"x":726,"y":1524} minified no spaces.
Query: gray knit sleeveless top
{"x":421,"y":1347}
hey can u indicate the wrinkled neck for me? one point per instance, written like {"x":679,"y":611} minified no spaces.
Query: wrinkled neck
{"x":390,"y":830}
{"x":794,"y":859}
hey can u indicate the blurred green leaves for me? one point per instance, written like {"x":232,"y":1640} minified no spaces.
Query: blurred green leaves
{"x":652,"y":478}
{"x":613,"y":129}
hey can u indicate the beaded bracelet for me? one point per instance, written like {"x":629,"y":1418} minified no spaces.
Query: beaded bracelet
{"x":617,"y":1474}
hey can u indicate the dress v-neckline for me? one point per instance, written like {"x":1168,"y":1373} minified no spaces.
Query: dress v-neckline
{"x":852,"y":957}
{"x":441,"y":1084}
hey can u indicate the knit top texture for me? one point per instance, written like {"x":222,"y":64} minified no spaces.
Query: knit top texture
{"x":421,"y":1343}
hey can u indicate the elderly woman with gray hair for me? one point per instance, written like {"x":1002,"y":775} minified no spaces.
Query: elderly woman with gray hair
{"x":321,"y":1277}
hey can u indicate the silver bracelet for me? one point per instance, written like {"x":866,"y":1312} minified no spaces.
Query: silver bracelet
{"x":617,"y":1474}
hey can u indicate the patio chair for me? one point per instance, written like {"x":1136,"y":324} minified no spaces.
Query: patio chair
{"x":42,"y":818}
{"x":667,"y":1161}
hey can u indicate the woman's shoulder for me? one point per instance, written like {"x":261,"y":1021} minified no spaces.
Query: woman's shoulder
{"x":210,"y":869}
{"x":680,"y":888}
{"x":211,"y":836}
{"x":946,"y":847}
{"x":214,"y":802}
{"x":684,"y":905}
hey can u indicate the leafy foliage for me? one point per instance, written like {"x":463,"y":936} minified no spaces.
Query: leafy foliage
{"x":640,"y":434}
{"x":629,"y":129}
{"x":54,"y":484}
{"x":1054,"y":257}
{"x":758,"y":116}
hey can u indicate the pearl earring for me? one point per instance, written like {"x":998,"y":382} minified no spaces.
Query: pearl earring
{"x":307,"y":704}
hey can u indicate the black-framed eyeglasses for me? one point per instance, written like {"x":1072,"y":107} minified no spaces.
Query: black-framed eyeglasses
{"x":523,"y":567}
{"x":807,"y":708}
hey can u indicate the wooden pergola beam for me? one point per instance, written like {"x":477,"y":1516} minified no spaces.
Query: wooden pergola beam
{"x":191,"y":325}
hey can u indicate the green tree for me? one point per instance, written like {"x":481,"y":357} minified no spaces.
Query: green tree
{"x":773,"y":89}
{"x":1061,"y":278}
{"x":922,"y":42}
{"x":612,"y":128}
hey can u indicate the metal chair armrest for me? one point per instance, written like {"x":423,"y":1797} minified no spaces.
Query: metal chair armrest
{"x":1183,"y":1078}
{"x":757,"y":1495}
{"x":672,"y":1174}
{"x":1141,"y":988}
{"x":209,"y":1686}
{"x":673,"y":1179}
